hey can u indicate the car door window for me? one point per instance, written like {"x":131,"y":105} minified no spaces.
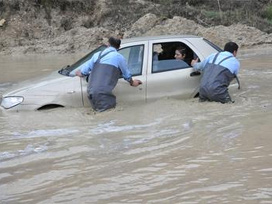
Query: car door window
{"x":134,"y":57}
{"x":164,"y":57}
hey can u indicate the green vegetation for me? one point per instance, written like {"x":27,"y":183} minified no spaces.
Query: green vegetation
{"x":268,"y":12}
{"x":257,"y":13}
{"x":212,"y":14}
{"x":121,"y":14}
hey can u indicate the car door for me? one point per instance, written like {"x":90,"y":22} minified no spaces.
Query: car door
{"x":136,"y":57}
{"x":166,"y":78}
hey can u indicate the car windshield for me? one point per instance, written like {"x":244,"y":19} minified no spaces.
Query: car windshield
{"x":69,"y":68}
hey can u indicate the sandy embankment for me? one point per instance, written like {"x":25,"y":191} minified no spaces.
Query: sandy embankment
{"x":81,"y":39}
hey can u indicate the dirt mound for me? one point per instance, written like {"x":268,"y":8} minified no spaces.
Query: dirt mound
{"x":244,"y":35}
{"x":80,"y":25}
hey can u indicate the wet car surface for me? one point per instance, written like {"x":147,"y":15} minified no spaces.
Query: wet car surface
{"x":150,"y":59}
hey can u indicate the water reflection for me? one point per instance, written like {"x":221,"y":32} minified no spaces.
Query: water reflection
{"x":167,"y":151}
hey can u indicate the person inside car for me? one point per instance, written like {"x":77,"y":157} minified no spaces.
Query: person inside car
{"x":180,"y":54}
{"x":167,"y":52}
{"x":219,"y":69}
{"x":105,"y":67}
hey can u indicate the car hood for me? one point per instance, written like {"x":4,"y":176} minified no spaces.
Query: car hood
{"x":16,"y":89}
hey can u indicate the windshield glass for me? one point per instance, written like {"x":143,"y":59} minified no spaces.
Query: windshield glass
{"x":68,"y":70}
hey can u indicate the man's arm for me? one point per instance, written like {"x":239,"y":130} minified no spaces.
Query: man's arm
{"x":135,"y":82}
{"x":126,"y":73}
{"x":86,"y":67}
{"x":124,"y":68}
{"x":198,"y":66}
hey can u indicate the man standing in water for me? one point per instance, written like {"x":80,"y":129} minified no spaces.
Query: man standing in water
{"x":106,"y":67}
{"x":219,"y":70}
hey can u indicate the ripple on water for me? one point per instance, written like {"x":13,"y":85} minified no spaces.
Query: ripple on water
{"x":4,"y":86}
{"x":44,"y":133}
{"x":30,"y":149}
{"x":18,"y":139}
{"x":170,"y":151}
{"x":110,"y":127}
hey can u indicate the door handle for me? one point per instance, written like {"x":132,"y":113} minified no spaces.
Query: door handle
{"x":195,"y":73}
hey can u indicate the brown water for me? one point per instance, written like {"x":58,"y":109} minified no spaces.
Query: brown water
{"x":168,"y":151}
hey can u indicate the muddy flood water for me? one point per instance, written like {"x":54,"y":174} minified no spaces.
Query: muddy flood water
{"x":167,"y":151}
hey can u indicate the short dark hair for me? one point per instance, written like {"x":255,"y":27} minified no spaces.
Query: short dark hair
{"x":182,"y":50}
{"x":231,"y":47}
{"x":115,"y":42}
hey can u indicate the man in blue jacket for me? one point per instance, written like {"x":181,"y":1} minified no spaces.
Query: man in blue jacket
{"x":106,"y":67}
{"x":219,"y":69}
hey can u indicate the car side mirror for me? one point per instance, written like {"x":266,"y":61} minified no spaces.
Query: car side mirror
{"x":64,"y":71}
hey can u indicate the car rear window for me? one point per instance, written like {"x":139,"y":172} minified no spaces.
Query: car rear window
{"x":213,"y":45}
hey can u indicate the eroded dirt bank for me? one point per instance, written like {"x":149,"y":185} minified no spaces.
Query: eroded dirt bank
{"x":80,"y":25}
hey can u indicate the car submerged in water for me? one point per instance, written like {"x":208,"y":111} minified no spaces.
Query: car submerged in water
{"x":150,"y":59}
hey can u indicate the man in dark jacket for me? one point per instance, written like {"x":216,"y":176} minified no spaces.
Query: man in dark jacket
{"x":105,"y":67}
{"x":219,"y":69}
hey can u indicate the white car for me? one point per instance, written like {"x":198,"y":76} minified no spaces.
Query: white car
{"x":150,"y":59}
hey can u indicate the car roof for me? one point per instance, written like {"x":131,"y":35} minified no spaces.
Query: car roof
{"x":146,"y":38}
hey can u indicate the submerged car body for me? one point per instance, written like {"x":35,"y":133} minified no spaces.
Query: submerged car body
{"x":150,"y":59}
